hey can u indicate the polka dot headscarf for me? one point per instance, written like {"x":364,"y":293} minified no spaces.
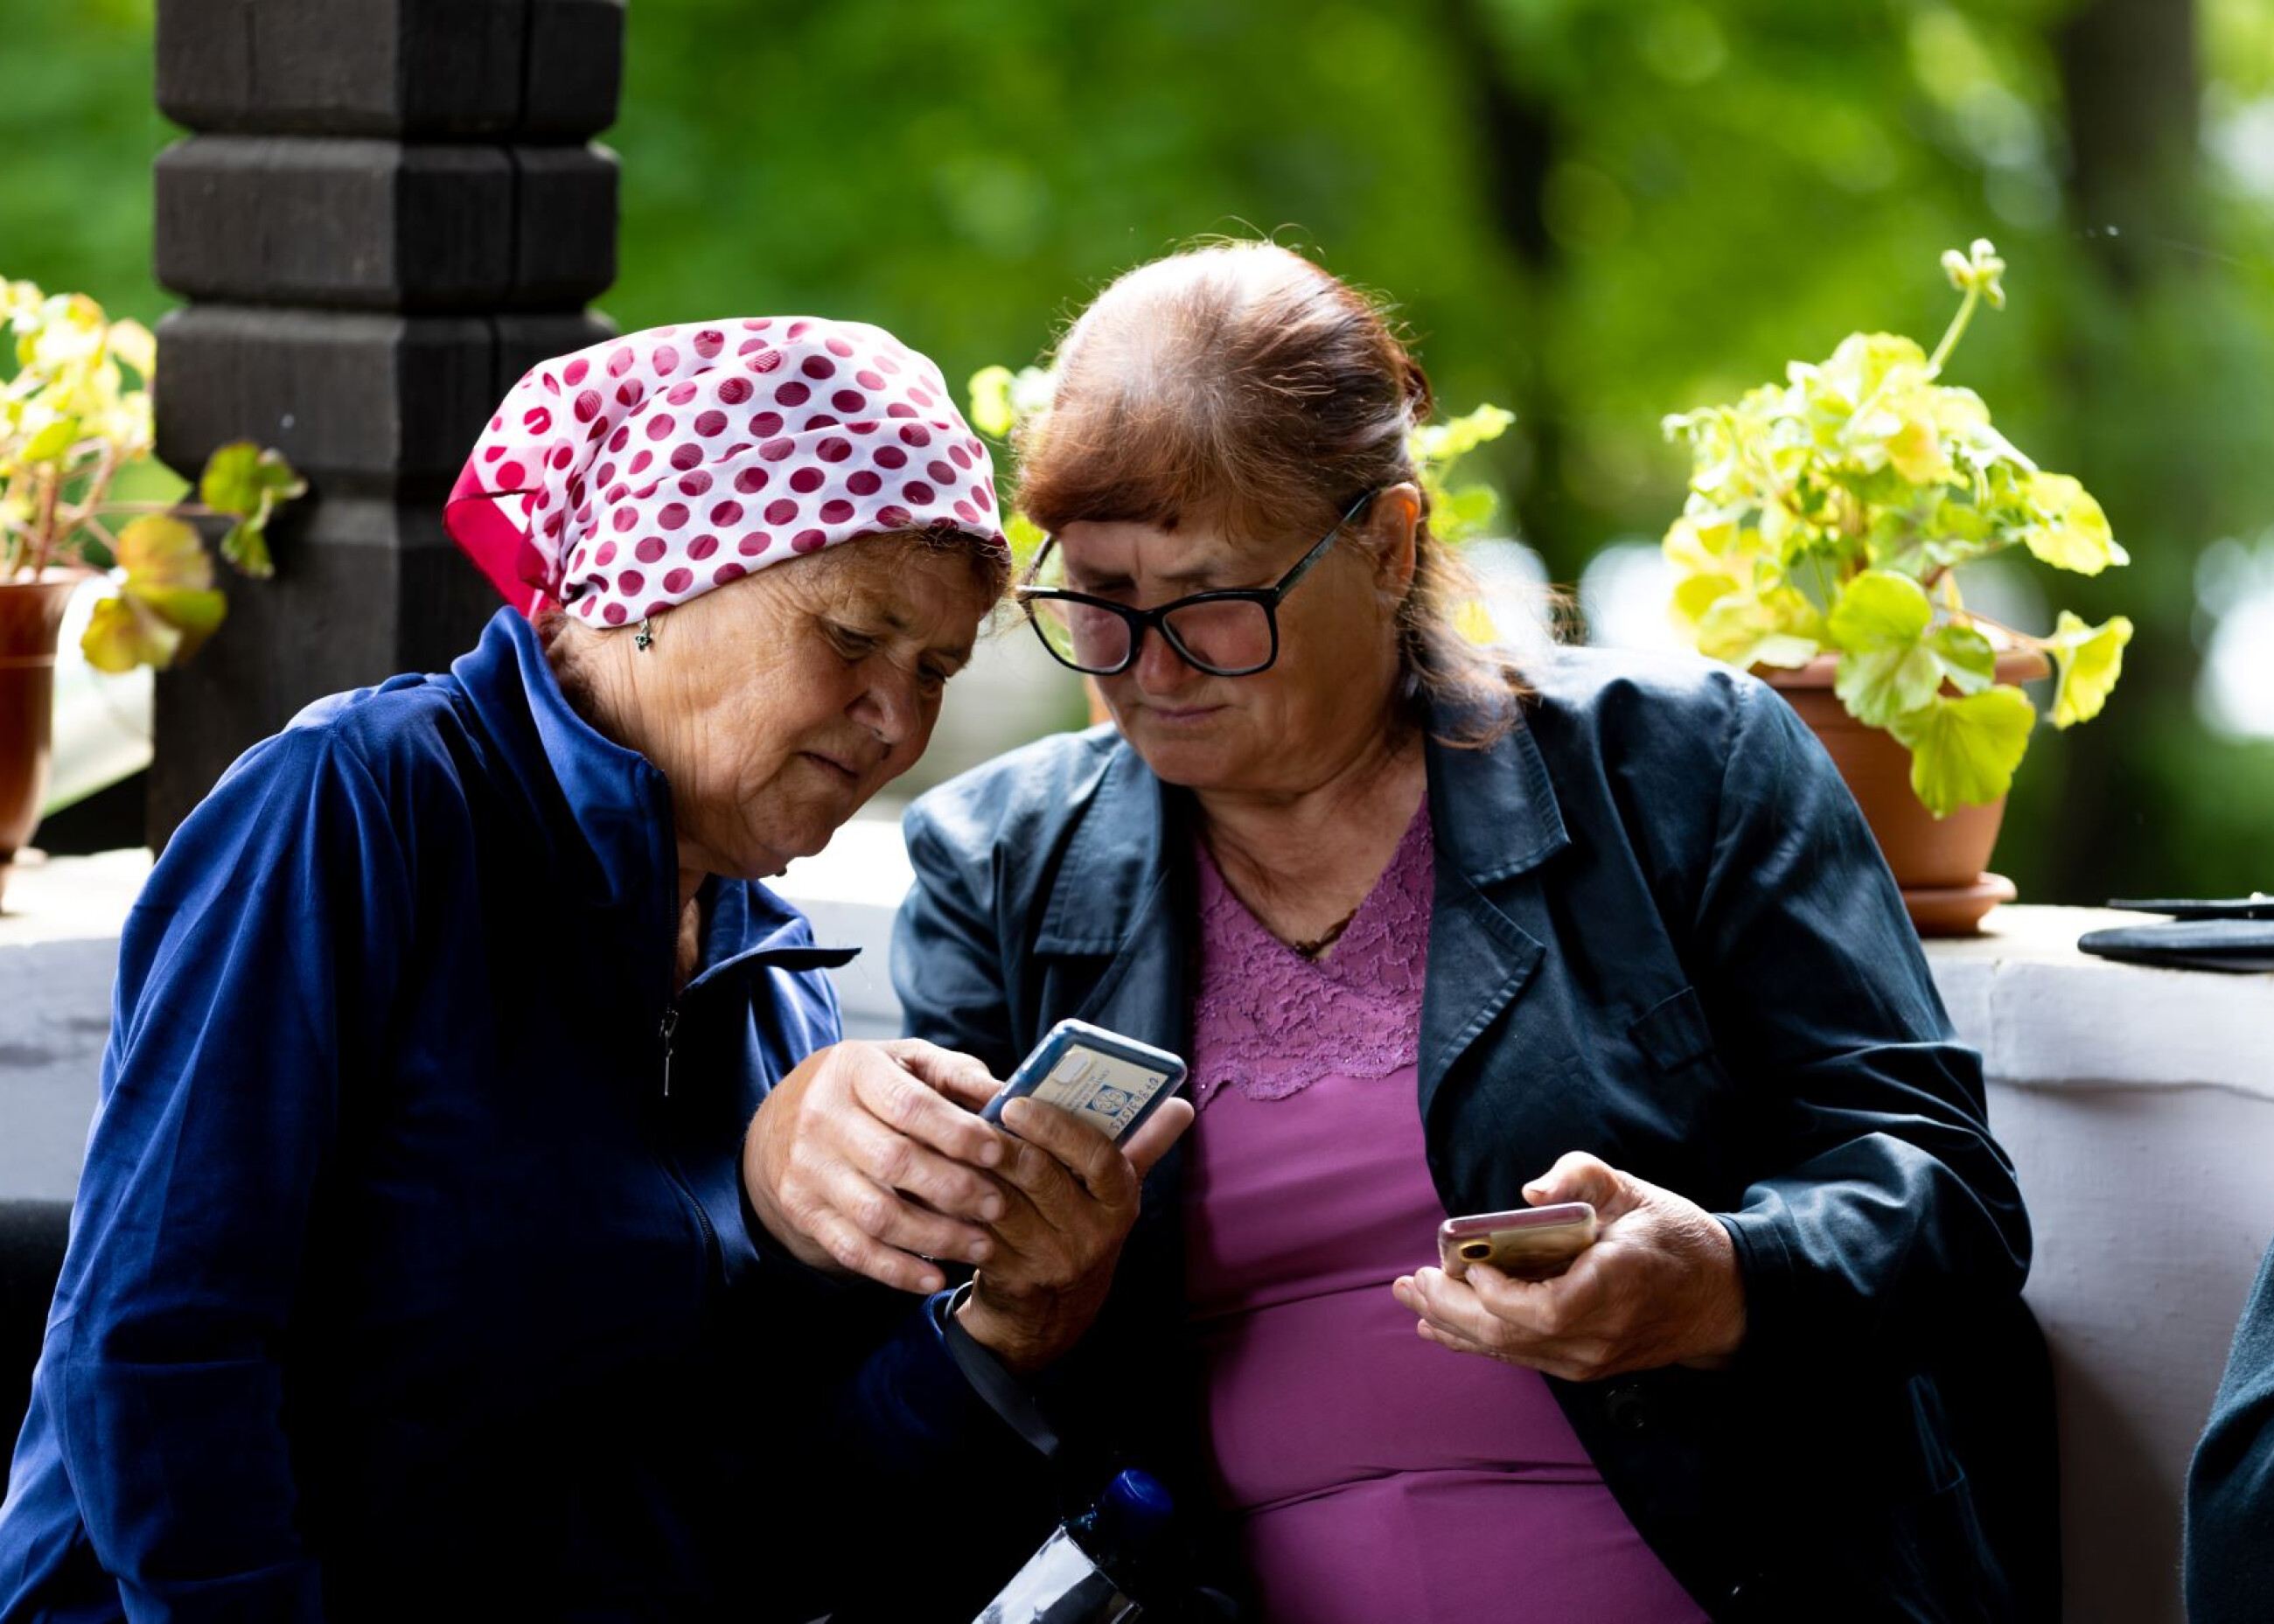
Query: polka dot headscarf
{"x":646,"y":470}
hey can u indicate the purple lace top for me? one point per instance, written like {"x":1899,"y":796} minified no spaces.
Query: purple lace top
{"x":1271,"y":1021}
{"x":1372,"y":1475}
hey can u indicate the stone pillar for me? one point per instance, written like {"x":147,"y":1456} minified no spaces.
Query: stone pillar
{"x":386,"y":212}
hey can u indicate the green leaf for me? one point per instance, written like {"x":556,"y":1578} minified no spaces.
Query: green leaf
{"x":1697,"y":594}
{"x":2068,"y":531}
{"x":231,"y":481}
{"x":1749,"y":631}
{"x":1879,"y":684}
{"x":246,"y":548}
{"x":161,"y":552}
{"x":1455,"y":515}
{"x":1443,"y":444}
{"x":1878,"y":608}
{"x":123,"y":633}
{"x":991,"y":401}
{"x":52,"y":441}
{"x":1026,"y":538}
{"x":1963,"y":751}
{"x":1967,"y":657}
{"x":2088,"y":660}
{"x":167,"y":605}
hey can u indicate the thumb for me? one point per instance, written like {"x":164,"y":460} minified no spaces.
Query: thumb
{"x":1579,"y":1177}
{"x":1162,"y":1129}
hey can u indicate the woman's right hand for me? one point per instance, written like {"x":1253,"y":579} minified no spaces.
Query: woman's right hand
{"x":865,"y":1160}
{"x":1071,"y":1195}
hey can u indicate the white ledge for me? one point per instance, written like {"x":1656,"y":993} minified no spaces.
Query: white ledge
{"x":2134,"y":1103}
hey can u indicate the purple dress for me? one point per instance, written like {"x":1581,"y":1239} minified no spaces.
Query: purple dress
{"x":1375,"y":1476}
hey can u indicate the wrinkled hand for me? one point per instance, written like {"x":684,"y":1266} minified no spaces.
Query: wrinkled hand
{"x":1660,"y":1286}
{"x":1070,"y":1197}
{"x":865,"y":1160}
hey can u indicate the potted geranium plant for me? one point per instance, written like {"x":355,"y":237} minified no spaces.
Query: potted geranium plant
{"x":1827,"y":518}
{"x":70,"y":421}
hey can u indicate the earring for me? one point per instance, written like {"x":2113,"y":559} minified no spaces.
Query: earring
{"x":646,"y":638}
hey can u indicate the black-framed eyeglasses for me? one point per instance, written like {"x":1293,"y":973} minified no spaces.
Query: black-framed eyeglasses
{"x":1230,"y":633}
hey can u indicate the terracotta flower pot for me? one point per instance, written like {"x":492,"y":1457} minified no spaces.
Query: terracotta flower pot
{"x":31,"y":612}
{"x":1941,"y":863}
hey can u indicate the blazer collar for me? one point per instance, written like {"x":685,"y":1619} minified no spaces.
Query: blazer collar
{"x":1494,"y":811}
{"x":1115,"y":861}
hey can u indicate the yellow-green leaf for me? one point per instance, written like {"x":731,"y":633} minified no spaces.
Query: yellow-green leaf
{"x":1963,"y":751}
{"x":1694,"y":595}
{"x":131,"y":343}
{"x":2071,"y":532}
{"x":1447,"y":442}
{"x":160,"y":554}
{"x":1881,"y":683}
{"x":2088,"y":659}
{"x":121,"y":633}
{"x":246,"y":548}
{"x":1750,"y":631}
{"x":1880,"y":607}
{"x":231,"y":482}
{"x":1457,"y":514}
{"x":991,"y":401}
{"x":53,"y":441}
{"x":1967,"y":657}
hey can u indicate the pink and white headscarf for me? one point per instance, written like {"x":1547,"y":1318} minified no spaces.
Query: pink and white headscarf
{"x":644,"y":471}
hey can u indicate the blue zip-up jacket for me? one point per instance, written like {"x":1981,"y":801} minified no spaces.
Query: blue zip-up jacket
{"x":410,"y":1274}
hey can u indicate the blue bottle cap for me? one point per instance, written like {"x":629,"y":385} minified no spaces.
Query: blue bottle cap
{"x":1136,"y":1507}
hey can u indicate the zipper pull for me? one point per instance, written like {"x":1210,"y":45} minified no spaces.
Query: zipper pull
{"x":670,"y":1025}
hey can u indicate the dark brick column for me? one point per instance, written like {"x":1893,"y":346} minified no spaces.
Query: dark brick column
{"x":387,"y":211}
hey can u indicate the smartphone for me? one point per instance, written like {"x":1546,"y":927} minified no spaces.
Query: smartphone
{"x":1536,"y":1242}
{"x":1108,"y":1081}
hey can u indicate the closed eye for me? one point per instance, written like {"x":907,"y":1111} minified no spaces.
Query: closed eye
{"x":852,"y":644}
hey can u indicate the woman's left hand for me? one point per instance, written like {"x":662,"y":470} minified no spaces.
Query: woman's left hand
{"x":1660,"y":1286}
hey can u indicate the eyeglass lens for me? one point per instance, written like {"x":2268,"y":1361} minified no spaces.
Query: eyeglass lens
{"x":1230,"y":635}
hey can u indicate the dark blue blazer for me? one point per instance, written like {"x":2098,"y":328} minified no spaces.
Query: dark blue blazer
{"x":2229,"y":1561}
{"x":1663,"y":934}
{"x":410,"y":1274}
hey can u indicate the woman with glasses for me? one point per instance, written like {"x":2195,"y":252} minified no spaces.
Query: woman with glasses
{"x":1440,"y":937}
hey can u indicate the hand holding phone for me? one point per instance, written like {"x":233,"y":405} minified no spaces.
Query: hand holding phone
{"x":1072,"y":1186}
{"x":1098,"y":1077}
{"x":1533,"y":1243}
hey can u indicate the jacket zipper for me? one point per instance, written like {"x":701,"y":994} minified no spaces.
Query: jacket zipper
{"x":669,"y":1157}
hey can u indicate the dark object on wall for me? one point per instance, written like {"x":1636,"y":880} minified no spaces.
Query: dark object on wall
{"x":386,"y":212}
{"x":32,"y":1235}
{"x":2237,"y":946}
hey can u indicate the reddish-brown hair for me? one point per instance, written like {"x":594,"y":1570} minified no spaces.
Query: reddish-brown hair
{"x":1239,"y":383}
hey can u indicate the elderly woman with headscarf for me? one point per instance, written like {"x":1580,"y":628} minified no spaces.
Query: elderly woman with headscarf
{"x":427,"y":1259}
{"x":1442,"y":937}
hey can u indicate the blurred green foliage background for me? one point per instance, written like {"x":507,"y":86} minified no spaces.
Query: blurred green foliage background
{"x":1591,"y":211}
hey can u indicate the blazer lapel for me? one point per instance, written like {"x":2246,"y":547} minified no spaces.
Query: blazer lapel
{"x":1493,"y":816}
{"x":1113,"y":934}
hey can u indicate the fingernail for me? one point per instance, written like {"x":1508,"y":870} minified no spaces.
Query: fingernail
{"x":979,"y":1252}
{"x":930,"y":1283}
{"x":990,"y":1207}
{"x":991,"y":1152}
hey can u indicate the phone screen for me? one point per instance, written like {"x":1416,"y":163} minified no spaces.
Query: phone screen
{"x":1106,"y":1091}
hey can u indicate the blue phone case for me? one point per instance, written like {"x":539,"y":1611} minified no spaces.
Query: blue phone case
{"x":1108,"y":1081}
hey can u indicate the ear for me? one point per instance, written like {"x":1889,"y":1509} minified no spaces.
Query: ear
{"x":1392,"y":524}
